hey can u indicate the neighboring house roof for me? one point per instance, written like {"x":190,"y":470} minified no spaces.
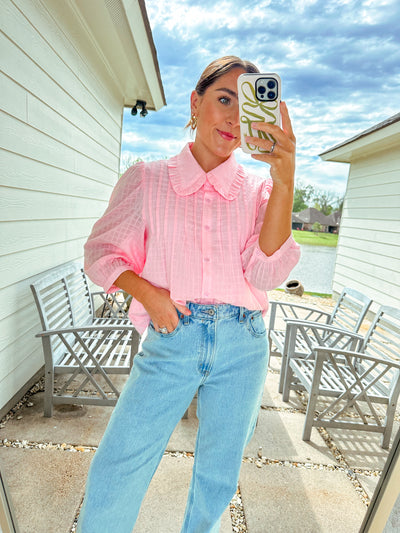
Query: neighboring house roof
{"x":312,"y":215}
{"x":334,"y":218}
{"x":379,"y":137}
{"x":296,"y":218}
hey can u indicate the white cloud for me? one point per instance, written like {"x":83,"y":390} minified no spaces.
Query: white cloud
{"x":338,"y":61}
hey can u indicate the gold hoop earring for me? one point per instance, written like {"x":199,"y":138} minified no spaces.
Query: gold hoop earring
{"x":193,"y":122}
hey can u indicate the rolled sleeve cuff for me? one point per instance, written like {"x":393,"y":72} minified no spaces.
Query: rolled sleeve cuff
{"x":268,"y":272}
{"x":104,"y":273}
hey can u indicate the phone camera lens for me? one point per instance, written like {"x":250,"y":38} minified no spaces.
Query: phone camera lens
{"x":271,"y":95}
{"x":261,"y":89}
{"x":271,"y":84}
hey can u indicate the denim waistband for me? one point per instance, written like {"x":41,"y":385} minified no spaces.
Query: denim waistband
{"x":216,"y":312}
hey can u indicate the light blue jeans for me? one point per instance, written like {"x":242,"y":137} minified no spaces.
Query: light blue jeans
{"x":220,"y":352}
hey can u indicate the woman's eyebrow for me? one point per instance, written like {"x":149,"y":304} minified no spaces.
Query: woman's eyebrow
{"x":229,"y":91}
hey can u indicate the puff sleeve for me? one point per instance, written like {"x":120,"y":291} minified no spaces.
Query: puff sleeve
{"x":267,"y":272}
{"x":117,"y":240}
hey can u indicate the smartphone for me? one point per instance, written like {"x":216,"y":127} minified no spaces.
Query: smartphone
{"x":259,"y":97}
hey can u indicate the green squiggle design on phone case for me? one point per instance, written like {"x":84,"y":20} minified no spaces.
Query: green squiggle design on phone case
{"x":249,"y":107}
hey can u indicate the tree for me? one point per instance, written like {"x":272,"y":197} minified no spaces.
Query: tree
{"x":303,"y":195}
{"x":310,"y":196}
{"x":127,"y":160}
{"x":323,"y":202}
{"x":316,"y":227}
{"x":339,"y":203}
{"x":327,"y":201}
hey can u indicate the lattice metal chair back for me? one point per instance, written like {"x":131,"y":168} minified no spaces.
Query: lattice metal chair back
{"x":77,"y":344}
{"x":348,"y":315}
{"x":354,"y":389}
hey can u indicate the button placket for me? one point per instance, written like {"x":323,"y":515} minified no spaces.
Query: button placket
{"x":207,"y":242}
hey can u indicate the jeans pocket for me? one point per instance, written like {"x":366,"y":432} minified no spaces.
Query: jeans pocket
{"x":255,"y":324}
{"x":165,"y":335}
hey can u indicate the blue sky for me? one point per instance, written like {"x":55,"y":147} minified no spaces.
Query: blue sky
{"x":339,"y":61}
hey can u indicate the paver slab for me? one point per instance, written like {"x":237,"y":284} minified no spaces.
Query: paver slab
{"x":184,"y":436}
{"x":273,"y":398}
{"x":282,"y":499}
{"x":279,"y":436}
{"x":368,"y":483}
{"x":46,"y":487}
{"x":164,"y":505}
{"x":361,"y":449}
{"x":73,"y":424}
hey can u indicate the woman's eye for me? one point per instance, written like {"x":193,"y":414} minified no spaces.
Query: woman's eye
{"x":225,"y":100}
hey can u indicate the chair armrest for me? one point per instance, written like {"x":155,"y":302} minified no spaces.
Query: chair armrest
{"x":291,"y":311}
{"x":319,"y":335}
{"x":294,"y":325}
{"x":323,"y":352}
{"x":111,"y":305}
{"x":83,"y":329}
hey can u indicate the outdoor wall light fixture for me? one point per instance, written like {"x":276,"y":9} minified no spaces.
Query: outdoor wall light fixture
{"x":142,"y":104}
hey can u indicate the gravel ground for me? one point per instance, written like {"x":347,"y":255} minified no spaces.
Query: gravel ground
{"x":306,"y":299}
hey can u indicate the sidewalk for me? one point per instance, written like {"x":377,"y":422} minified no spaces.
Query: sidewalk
{"x":286,"y":484}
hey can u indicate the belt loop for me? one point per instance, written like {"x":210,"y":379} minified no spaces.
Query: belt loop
{"x":242,"y":314}
{"x":185,"y":318}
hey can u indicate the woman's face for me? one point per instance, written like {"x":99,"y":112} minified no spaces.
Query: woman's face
{"x":217,"y":112}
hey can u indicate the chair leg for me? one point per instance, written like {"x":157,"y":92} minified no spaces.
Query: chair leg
{"x":389,"y":418}
{"x":48,"y":392}
{"x":283,"y":373}
{"x":312,"y":400}
{"x":308,"y":424}
{"x":286,"y":383}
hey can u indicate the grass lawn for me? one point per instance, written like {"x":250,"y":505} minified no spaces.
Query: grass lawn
{"x":315,"y":239}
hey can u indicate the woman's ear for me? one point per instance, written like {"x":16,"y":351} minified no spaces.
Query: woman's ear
{"x":195,"y":99}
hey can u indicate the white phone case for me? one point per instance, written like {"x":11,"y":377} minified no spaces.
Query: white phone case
{"x":253,"y":109}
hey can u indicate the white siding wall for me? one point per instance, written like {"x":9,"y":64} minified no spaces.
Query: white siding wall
{"x":61,"y":120}
{"x":368,"y":253}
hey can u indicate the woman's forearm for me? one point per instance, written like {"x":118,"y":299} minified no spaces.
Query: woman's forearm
{"x":134,"y":285}
{"x":157,"y":302}
{"x":277,"y":225}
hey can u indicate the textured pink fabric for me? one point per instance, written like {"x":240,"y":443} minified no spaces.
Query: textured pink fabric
{"x":191,"y":232}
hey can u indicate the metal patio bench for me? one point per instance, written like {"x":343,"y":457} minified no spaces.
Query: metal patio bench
{"x":85,"y":348}
{"x":348,"y":314}
{"x":345,"y":387}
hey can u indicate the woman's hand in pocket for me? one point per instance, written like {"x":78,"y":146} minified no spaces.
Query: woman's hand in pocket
{"x":162,"y":309}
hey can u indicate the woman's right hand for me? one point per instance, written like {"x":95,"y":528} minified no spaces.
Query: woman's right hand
{"x":162,"y":309}
{"x":157,"y":302}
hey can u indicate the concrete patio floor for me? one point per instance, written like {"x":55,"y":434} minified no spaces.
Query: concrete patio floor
{"x":286,"y":484}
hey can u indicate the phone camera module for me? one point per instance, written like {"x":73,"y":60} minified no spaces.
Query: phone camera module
{"x":266,"y":89}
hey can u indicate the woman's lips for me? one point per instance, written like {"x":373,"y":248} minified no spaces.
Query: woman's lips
{"x":226,"y":135}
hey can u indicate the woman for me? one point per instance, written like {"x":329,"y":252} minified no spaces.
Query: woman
{"x":197,"y":242}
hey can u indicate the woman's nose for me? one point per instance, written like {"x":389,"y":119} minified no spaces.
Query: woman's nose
{"x":233,"y":117}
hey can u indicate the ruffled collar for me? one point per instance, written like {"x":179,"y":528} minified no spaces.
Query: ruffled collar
{"x":187,"y":176}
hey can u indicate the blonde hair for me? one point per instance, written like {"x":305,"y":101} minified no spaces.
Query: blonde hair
{"x":218,"y":68}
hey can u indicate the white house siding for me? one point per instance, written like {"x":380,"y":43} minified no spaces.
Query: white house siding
{"x":60,"y":122}
{"x":368,"y":253}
